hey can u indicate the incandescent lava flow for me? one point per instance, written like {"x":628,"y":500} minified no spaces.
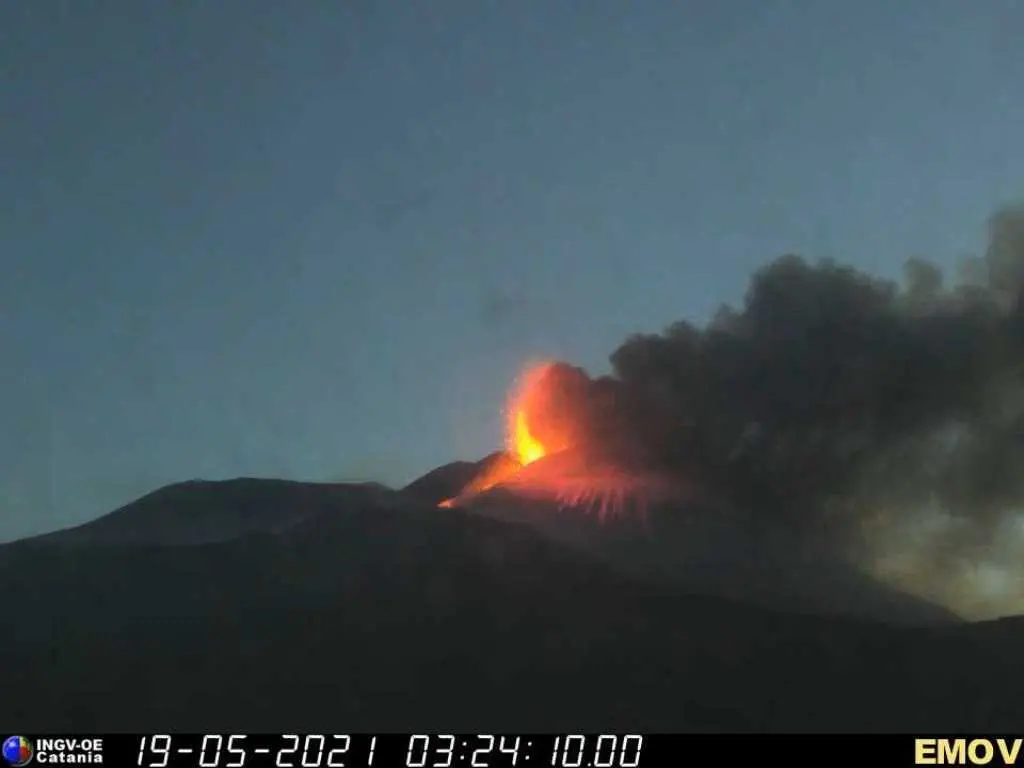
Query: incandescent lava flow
{"x":546,"y":418}
{"x":522,"y":446}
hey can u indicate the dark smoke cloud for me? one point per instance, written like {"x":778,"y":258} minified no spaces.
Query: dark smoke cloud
{"x":831,"y":400}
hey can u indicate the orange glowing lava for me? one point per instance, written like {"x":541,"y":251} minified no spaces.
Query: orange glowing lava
{"x":525,"y":446}
{"x":522,"y":447}
{"x":539,"y":424}
{"x":526,"y":405}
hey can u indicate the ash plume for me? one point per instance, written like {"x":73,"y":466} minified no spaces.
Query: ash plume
{"x":885,"y":417}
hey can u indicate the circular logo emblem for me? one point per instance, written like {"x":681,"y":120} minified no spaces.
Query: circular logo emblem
{"x":17,"y":751}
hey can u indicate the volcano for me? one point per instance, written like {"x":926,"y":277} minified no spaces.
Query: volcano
{"x":545,"y":417}
{"x":555,"y":585}
{"x":650,"y":528}
{"x":607,"y":502}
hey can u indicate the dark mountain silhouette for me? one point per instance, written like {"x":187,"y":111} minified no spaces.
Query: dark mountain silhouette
{"x":198,"y":512}
{"x":446,"y":481}
{"x":352,"y":607}
{"x":696,"y":543}
{"x":700,"y":545}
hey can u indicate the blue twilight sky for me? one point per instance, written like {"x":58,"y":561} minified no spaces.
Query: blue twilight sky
{"x":318,"y":239}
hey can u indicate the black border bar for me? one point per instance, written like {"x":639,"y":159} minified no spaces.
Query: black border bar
{"x":502,"y":750}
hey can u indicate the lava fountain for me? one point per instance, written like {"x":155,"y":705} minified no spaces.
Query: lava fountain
{"x":521,"y":446}
{"x":542,"y":421}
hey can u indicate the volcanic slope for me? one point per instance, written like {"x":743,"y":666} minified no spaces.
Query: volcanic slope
{"x":644,"y":527}
{"x":448,"y":480}
{"x":359,"y":608}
